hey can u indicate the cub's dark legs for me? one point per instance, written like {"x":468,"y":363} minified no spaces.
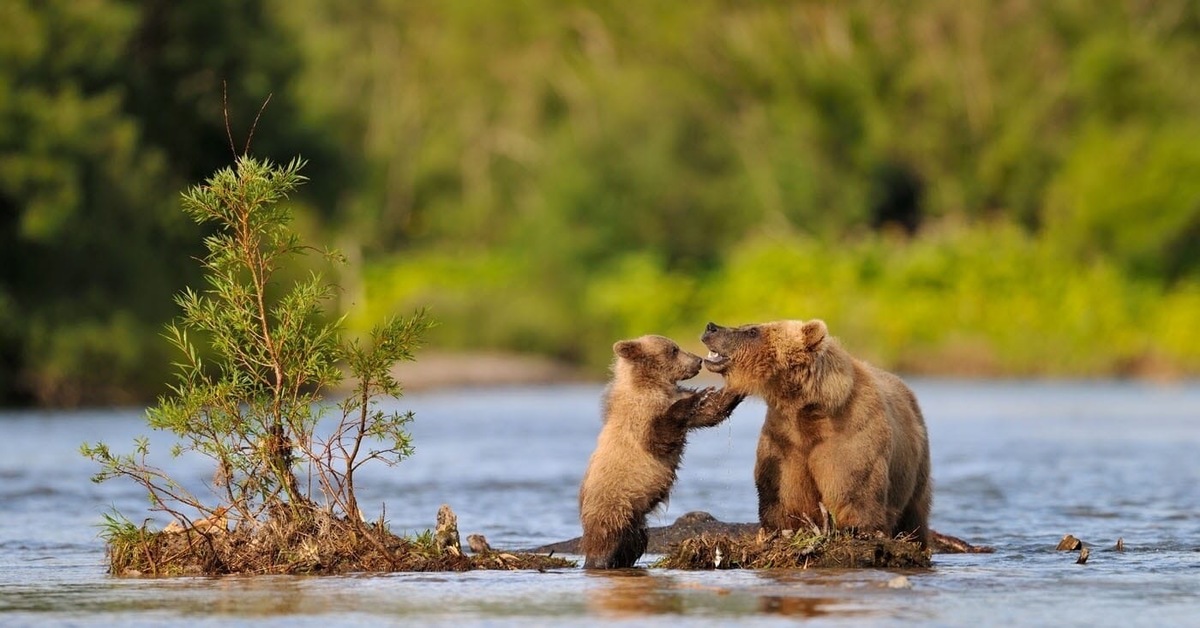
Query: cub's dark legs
{"x":628,"y":547}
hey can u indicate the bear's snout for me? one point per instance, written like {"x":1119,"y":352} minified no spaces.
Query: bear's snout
{"x":694,"y":362}
{"x":712,"y":331}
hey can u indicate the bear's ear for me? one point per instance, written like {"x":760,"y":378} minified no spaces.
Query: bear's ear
{"x":814,"y":332}
{"x":628,"y":349}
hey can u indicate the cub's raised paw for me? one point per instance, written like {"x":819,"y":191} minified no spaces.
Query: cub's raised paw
{"x":723,"y":401}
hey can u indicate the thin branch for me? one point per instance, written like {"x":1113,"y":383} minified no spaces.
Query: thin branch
{"x":225,"y":110}
{"x":255,"y":125}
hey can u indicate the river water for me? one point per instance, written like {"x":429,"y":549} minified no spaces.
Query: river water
{"x":1016,"y":465}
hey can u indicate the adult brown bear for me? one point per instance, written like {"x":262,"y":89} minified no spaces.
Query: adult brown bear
{"x":838,"y":432}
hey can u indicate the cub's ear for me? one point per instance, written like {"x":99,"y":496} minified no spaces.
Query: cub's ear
{"x":628,"y":349}
{"x":814,"y":332}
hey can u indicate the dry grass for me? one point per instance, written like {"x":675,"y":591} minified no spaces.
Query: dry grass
{"x":795,"y":551}
{"x":299,"y":541}
{"x":312,"y":541}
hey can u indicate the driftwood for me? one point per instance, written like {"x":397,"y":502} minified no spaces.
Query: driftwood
{"x":478,"y":544}
{"x":445,"y":533}
{"x":1068,"y":544}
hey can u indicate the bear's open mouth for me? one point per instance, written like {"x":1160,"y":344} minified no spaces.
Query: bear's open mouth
{"x":716,"y":362}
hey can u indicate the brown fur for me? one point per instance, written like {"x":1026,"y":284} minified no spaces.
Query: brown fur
{"x":646,"y":419}
{"x":838,"y":431}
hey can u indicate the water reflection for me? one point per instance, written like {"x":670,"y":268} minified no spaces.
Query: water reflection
{"x":821,"y":592}
{"x":800,"y":606}
{"x":261,"y":596}
{"x":633,"y":593}
{"x":629,"y":593}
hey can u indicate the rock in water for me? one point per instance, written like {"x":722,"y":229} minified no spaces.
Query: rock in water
{"x":1083,"y":556}
{"x":445,"y":535}
{"x":899,"y":582}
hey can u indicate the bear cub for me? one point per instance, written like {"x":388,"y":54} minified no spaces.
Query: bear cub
{"x":647,"y":415}
{"x":839,"y":432}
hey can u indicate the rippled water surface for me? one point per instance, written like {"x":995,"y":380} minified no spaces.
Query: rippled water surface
{"x":1016,"y":466}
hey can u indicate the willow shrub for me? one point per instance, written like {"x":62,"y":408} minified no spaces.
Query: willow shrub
{"x":255,"y":359}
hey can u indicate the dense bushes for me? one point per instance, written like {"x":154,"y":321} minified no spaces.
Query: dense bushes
{"x":984,"y":300}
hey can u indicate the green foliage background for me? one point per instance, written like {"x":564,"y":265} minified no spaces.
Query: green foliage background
{"x":962,"y":187}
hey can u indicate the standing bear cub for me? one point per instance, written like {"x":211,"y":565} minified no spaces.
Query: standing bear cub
{"x":838,"y":432}
{"x":646,"y":419}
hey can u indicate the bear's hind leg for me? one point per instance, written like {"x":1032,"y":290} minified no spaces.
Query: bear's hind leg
{"x":914,"y":519}
{"x":766,"y":480}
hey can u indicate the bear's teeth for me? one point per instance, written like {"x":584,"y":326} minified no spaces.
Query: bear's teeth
{"x":713,"y":355}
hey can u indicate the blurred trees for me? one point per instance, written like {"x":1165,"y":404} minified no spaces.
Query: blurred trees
{"x":547,"y":175}
{"x":107,"y":110}
{"x":680,"y":128}
{"x":583,"y":149}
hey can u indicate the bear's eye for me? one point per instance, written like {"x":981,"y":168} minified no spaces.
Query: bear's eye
{"x":752,"y":332}
{"x":674,"y":351}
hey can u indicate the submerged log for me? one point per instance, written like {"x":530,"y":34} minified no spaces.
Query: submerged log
{"x":662,"y":538}
{"x":946,"y":544}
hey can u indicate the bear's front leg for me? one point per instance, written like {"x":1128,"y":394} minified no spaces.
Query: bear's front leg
{"x":668,"y":433}
{"x":715,"y":406}
{"x":680,"y":413}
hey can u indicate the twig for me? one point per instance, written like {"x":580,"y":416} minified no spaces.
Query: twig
{"x":255,"y":125}
{"x":229,"y":127}
{"x":225,"y":110}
